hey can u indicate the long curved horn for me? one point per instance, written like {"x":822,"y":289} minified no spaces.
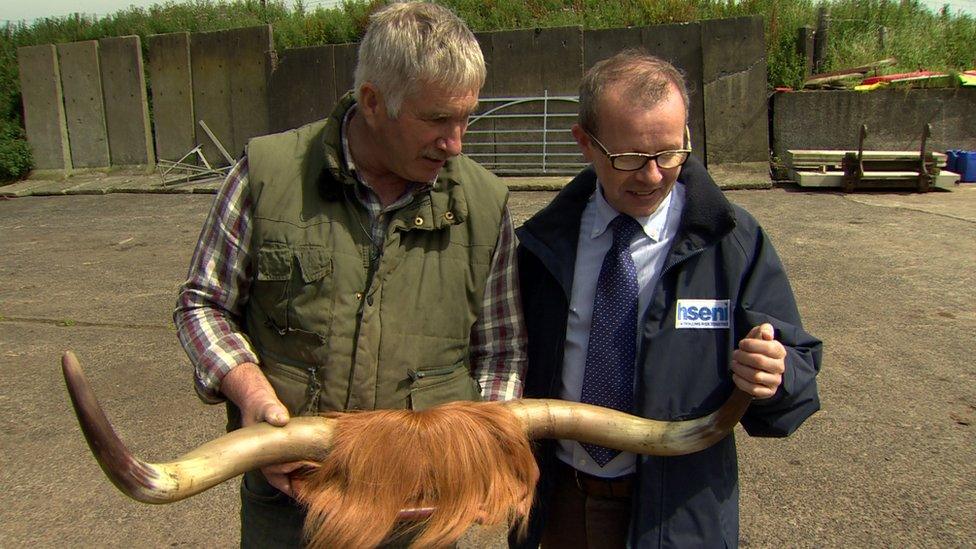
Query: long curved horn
{"x":309,"y":438}
{"x":545,"y":418}
{"x":212,"y":463}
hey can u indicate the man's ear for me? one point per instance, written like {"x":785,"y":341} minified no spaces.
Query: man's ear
{"x":583,"y":141}
{"x":371,"y":102}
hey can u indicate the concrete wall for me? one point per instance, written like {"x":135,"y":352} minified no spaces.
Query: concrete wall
{"x":345,"y":67}
{"x":230,"y":71}
{"x":172,"y":94}
{"x":84,"y":108}
{"x":44,"y":118}
{"x":302,"y":87}
{"x":832,"y":119}
{"x":250,"y":68}
{"x":235,"y":83}
{"x":126,"y":110}
{"x":305,"y":83}
{"x":724,"y":62}
{"x":734,"y":84}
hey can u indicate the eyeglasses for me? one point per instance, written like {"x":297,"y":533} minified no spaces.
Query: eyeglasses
{"x":633,"y":161}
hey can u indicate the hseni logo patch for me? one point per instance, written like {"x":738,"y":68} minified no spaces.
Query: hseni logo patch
{"x":702,"y":313}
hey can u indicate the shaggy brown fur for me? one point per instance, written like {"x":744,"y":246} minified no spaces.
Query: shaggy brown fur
{"x":472,"y":462}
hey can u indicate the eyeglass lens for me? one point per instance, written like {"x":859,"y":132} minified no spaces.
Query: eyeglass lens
{"x":665,"y":160}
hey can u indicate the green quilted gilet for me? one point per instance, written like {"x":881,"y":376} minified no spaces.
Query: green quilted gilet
{"x":327,"y":338}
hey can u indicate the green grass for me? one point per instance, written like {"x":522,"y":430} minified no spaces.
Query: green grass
{"x":916,"y":36}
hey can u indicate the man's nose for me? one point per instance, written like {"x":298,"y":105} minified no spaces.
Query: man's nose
{"x":650,"y":173}
{"x":450,"y":141}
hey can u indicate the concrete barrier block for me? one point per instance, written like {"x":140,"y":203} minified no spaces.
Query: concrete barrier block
{"x":600,"y":44}
{"x":230,"y":72}
{"x":302,"y":87}
{"x":44,"y":117}
{"x":126,"y":110}
{"x":731,"y":45}
{"x":345,"y":56}
{"x":249,"y":75}
{"x":172,"y":94}
{"x":84,"y":104}
{"x":528,"y":62}
{"x":734,"y":86}
{"x":210,"y":73}
{"x":830,"y":120}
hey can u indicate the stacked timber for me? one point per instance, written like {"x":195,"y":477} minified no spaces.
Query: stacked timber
{"x":825,"y":168}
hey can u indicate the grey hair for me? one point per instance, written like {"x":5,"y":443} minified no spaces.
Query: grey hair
{"x":644,"y":77}
{"x":413,"y":44}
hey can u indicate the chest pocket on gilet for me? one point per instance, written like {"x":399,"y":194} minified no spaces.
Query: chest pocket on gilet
{"x":293,"y":289}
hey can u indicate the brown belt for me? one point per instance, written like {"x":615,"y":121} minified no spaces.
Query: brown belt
{"x":594,"y":486}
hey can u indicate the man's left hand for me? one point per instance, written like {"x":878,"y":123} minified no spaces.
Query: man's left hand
{"x":758,"y":364}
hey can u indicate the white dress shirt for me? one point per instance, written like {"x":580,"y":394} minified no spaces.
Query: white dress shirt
{"x":649,"y":250}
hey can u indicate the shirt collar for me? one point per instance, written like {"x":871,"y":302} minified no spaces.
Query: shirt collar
{"x":654,"y":225}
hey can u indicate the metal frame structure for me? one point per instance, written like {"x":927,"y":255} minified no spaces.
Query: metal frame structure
{"x":542,"y":155}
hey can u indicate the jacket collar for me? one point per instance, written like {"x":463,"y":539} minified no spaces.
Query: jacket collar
{"x":708,"y":215}
{"x":553,"y":233}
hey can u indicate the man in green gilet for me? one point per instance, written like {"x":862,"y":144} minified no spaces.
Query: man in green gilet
{"x":360,"y":261}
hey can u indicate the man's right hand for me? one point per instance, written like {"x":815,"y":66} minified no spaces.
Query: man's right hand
{"x":246,"y":386}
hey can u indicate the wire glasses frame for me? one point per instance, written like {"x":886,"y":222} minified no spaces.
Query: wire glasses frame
{"x":633,"y":161}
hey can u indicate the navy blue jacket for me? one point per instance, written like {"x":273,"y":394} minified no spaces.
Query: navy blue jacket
{"x":719,"y":253}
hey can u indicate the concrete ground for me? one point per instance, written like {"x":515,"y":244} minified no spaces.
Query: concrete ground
{"x":887,"y":280}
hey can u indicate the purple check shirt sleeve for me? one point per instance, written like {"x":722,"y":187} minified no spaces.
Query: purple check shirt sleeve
{"x":498,"y":341}
{"x":210,"y":303}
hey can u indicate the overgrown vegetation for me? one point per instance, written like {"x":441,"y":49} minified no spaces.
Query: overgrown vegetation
{"x":15,"y":153}
{"x":913,"y":34}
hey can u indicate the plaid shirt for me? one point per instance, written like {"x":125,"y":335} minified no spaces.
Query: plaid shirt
{"x":211,"y":301}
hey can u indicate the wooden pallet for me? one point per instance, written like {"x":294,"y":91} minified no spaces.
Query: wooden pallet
{"x":809,"y":158}
{"x":860,"y":169}
{"x":835,"y":179}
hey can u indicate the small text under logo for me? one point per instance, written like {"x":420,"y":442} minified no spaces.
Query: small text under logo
{"x":702,"y":313}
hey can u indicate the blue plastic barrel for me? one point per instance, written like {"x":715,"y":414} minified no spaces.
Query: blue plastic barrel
{"x":966,"y":165}
{"x":952,"y":160}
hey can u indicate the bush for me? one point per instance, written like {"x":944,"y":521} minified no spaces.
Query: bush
{"x":15,"y":153}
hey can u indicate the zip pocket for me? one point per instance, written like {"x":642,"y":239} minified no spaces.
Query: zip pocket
{"x":439,"y":385}
{"x":297,"y":387}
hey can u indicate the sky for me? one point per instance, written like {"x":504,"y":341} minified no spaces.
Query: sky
{"x":28,"y":10}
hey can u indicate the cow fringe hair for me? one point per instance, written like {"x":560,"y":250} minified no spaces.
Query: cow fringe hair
{"x":472,"y":462}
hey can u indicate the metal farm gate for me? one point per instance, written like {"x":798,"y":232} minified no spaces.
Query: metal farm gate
{"x":525,"y":135}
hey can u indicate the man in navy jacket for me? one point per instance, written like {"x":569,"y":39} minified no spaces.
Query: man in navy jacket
{"x":714,"y":311}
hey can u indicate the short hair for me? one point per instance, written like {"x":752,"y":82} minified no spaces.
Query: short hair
{"x":645,"y":77}
{"x":411,"y":44}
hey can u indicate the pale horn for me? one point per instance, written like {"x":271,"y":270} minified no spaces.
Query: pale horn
{"x":309,"y":438}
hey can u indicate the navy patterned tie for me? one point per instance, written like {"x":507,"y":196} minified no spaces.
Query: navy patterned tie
{"x":608,"y":379}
